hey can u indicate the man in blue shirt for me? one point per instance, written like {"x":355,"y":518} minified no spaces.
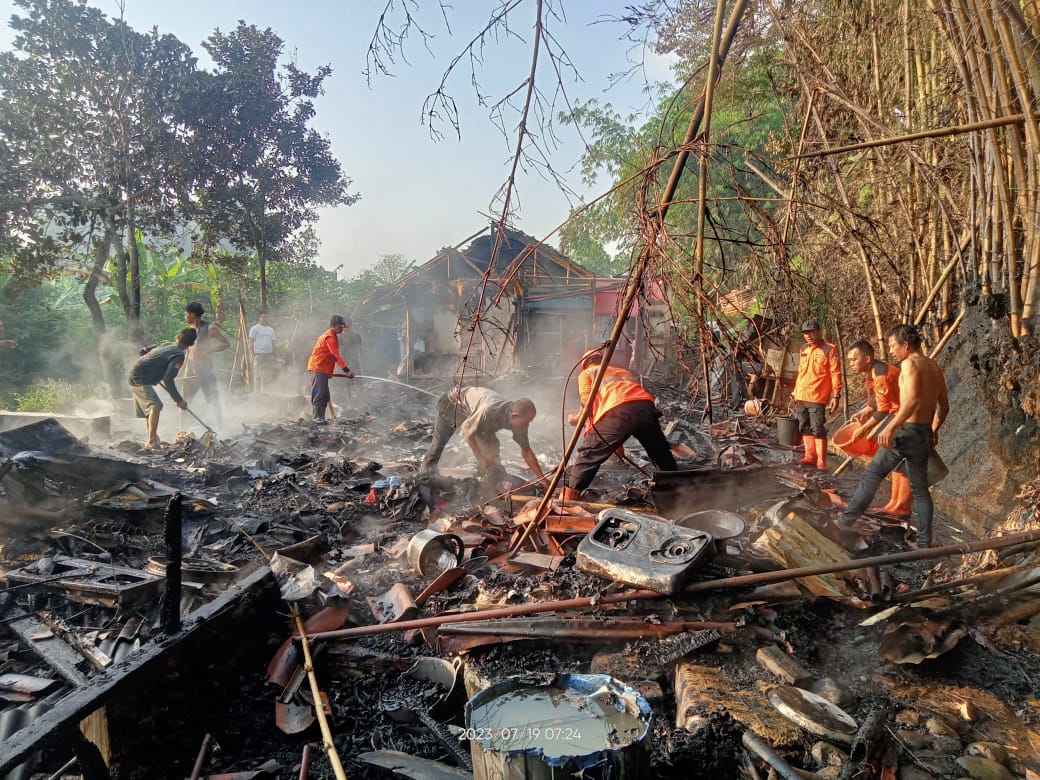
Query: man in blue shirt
{"x":158,"y":366}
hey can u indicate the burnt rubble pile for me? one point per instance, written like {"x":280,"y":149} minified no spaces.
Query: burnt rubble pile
{"x":659,"y":609}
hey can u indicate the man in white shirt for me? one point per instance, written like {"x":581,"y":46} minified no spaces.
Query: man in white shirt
{"x":261,"y":340}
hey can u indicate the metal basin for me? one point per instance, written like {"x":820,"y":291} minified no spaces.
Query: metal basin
{"x":722,"y":526}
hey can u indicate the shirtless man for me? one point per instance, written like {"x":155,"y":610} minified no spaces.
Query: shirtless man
{"x":911,"y":433}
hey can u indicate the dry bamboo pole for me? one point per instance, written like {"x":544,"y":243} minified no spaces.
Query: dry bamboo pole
{"x":922,"y":312}
{"x":1013,"y":150}
{"x":976,"y":90}
{"x":635,"y":279}
{"x":791,"y":202}
{"x":1028,"y":193}
{"x":702,"y":197}
{"x":323,"y":723}
{"x":939,"y":132}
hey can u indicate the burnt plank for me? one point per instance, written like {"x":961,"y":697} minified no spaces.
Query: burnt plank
{"x":51,"y":649}
{"x":70,"y":710}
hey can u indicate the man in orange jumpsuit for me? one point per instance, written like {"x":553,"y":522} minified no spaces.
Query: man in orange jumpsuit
{"x":621,"y":408}
{"x":882,"y":384}
{"x":322,"y":364}
{"x":816,"y":392}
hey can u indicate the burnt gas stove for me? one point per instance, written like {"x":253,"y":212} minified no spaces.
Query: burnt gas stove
{"x":643,"y":550}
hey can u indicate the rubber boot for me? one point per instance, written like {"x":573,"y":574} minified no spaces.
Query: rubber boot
{"x":809,"y":443}
{"x":902,"y":500}
{"x":570,"y":494}
{"x":821,"y":453}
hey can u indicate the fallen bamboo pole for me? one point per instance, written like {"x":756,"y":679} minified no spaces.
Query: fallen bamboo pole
{"x":899,"y":139}
{"x":764,"y":578}
{"x":319,"y":708}
{"x":583,"y":504}
{"x":635,"y":281}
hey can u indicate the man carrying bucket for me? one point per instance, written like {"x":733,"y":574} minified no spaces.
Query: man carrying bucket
{"x":882,"y":384}
{"x":816,"y":392}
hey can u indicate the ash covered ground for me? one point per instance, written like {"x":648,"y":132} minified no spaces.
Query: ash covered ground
{"x":330,"y":489}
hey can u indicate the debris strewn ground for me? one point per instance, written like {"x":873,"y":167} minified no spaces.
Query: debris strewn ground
{"x":937,"y":684}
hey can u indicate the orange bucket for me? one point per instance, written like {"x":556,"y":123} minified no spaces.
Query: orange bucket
{"x":843,"y":440}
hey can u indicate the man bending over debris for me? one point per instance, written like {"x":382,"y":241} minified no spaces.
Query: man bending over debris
{"x":158,"y":366}
{"x":621,"y":408}
{"x":481,"y":413}
{"x":322,"y":364}
{"x":911,"y":433}
{"x":882,"y":384}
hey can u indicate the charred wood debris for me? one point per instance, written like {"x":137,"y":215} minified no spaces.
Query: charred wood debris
{"x":413,"y":600}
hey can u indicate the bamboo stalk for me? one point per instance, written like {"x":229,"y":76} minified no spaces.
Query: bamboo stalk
{"x":939,"y":132}
{"x":319,"y":709}
{"x":635,"y":280}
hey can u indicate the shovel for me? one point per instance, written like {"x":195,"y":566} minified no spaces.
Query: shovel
{"x":210,"y":436}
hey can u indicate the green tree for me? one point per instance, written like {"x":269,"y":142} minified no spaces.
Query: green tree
{"x":87,"y":116}
{"x":260,"y":170}
{"x":389,"y":268}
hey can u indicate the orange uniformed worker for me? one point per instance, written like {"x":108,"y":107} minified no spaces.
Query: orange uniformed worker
{"x":816,"y":392}
{"x":322,"y":364}
{"x":882,"y":383}
{"x":621,"y":408}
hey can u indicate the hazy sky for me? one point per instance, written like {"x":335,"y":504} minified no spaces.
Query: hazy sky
{"x":417,"y":194}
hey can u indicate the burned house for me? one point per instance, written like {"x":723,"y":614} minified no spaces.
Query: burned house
{"x":539,"y":310}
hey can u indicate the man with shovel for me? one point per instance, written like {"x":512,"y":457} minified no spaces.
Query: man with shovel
{"x":158,"y":366}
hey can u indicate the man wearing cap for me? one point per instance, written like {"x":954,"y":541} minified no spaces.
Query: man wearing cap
{"x":816,"y":392}
{"x":621,"y":408}
{"x":481,"y":413}
{"x":322,"y":364}
{"x":158,"y":366}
